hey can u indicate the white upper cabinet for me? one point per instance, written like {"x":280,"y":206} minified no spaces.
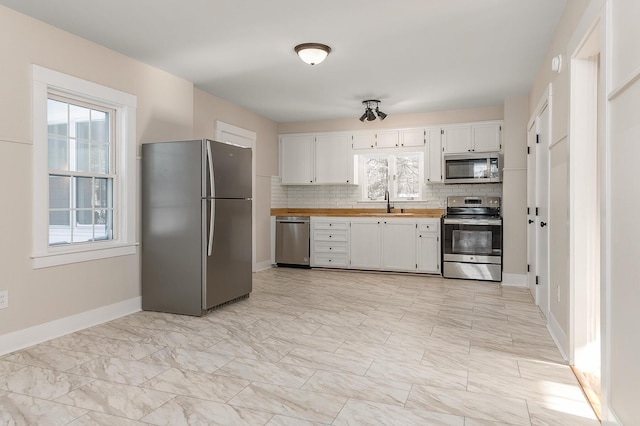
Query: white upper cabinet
{"x":477,"y":137}
{"x":413,"y":137}
{"x":487,"y":137}
{"x":456,"y":139}
{"x":332,"y":159}
{"x":387,"y":139}
{"x":433,"y":157}
{"x":376,"y":139}
{"x":296,"y":159}
{"x":315,"y":159}
{"x":364,"y":140}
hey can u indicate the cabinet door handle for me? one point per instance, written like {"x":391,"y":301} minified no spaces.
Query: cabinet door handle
{"x":530,"y":221}
{"x":543,"y":224}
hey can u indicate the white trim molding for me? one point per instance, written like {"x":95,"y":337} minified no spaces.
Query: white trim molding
{"x":558,"y":336}
{"x":43,"y":81}
{"x":21,"y":339}
{"x":514,"y":280}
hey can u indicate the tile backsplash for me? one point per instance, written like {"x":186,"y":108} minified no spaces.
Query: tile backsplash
{"x":348,"y":196}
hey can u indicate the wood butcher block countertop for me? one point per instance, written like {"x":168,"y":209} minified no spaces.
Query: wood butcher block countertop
{"x":395,"y":212}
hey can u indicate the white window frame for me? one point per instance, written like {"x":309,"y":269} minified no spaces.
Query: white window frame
{"x":392,"y":184}
{"x":124,"y":104}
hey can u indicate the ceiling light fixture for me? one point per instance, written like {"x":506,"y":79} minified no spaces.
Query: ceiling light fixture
{"x":369,"y":110}
{"x":312,"y":53}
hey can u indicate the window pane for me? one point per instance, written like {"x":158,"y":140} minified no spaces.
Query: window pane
{"x":377,"y":177}
{"x":59,"y":229}
{"x":57,"y":117}
{"x":59,"y":192}
{"x":99,"y":157}
{"x":408,"y":175}
{"x":103,"y":193}
{"x":83,"y":156}
{"x":99,"y":126}
{"x":104,"y":224}
{"x":84,"y":196}
{"x":79,"y":121}
{"x":58,"y":153}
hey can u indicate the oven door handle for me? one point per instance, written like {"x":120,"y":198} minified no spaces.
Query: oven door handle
{"x":472,"y":222}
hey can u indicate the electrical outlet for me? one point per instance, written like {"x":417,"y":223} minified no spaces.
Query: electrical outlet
{"x":4,"y":299}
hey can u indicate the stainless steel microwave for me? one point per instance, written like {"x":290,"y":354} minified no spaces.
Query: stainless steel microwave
{"x":474,"y":167}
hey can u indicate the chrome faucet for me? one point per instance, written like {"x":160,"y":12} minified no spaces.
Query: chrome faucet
{"x":386,"y":197}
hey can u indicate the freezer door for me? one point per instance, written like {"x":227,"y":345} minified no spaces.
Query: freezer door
{"x":227,"y":250}
{"x":231,"y":166}
{"x":171,"y":227}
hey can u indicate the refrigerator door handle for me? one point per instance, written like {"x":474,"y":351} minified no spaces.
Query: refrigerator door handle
{"x":211,"y":225}
{"x":212,"y":187}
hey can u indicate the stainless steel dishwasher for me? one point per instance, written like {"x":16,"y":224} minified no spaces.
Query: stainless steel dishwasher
{"x":292,"y":240}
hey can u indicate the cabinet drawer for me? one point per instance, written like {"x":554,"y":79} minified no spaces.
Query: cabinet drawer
{"x":330,"y":247}
{"x":428,"y":227}
{"x":331,"y":260}
{"x":330,"y":235}
{"x":331,"y":225}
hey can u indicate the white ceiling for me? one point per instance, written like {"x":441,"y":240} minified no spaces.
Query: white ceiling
{"x":414,"y":55}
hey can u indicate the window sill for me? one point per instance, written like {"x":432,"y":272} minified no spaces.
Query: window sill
{"x":67,"y":257}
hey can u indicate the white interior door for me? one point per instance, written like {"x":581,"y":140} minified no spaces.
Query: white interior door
{"x":542,"y":209}
{"x":531,"y":209}
{"x":239,"y":136}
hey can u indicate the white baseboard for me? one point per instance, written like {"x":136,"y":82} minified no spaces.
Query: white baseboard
{"x":514,"y":280}
{"x":263,"y":265}
{"x":21,"y":339}
{"x":610,"y":419}
{"x":558,"y":335}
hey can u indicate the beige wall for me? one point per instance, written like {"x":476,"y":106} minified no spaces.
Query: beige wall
{"x":620,"y":314}
{"x":395,"y":121}
{"x":168,"y":109}
{"x":514,"y":186}
{"x":624,"y":149}
{"x":165,"y":110}
{"x":207,"y":110}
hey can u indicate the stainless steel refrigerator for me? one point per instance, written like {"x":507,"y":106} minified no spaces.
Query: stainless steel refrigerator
{"x":196,"y":225}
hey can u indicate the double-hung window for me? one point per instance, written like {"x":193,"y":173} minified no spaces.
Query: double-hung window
{"x":84,"y":205}
{"x":399,"y":172}
{"x":82,"y":173}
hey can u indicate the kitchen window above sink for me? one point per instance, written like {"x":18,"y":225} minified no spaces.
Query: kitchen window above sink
{"x":400,"y":173}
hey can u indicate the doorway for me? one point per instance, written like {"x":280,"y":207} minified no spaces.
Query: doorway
{"x":585,"y":189}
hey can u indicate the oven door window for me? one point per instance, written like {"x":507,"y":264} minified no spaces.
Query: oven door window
{"x":467,"y":239}
{"x":471,"y":242}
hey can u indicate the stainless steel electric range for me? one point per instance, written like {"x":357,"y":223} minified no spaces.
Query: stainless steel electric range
{"x":472,"y":238}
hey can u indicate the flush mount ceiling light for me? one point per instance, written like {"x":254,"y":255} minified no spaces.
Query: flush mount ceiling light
{"x":369,"y":110}
{"x":312,"y":53}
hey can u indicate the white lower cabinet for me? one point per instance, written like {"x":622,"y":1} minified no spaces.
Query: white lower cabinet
{"x":366,"y":243}
{"x":395,"y":244}
{"x":330,"y":242}
{"x":428,"y":246}
{"x":399,"y":245}
{"x":376,"y":243}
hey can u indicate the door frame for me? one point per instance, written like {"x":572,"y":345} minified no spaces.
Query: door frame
{"x":543,"y":104}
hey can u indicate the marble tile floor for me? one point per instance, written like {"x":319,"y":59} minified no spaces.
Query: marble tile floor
{"x":309,"y":347}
